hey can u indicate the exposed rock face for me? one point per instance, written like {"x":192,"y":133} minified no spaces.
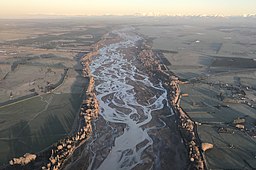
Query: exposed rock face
{"x":28,"y":157}
{"x":61,"y":150}
{"x":206,"y":146}
{"x":88,"y":111}
{"x":59,"y":147}
{"x":240,"y":126}
{"x":187,"y":126}
{"x":239,"y":123}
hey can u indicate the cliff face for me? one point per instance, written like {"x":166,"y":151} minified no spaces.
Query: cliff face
{"x":187,"y":127}
{"x":88,"y":112}
{"x":56,"y":155}
{"x":63,"y":149}
{"x":27,"y":158}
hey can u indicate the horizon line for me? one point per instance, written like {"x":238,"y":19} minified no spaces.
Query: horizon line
{"x":41,"y":16}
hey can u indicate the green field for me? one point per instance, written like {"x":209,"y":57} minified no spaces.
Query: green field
{"x":32,"y":125}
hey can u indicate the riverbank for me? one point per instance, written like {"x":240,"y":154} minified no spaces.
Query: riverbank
{"x":136,"y":128}
{"x":188,"y":128}
{"x":220,"y":93}
{"x":56,"y":155}
{"x":33,"y":124}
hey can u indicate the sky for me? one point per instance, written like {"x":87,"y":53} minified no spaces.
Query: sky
{"x":10,"y":8}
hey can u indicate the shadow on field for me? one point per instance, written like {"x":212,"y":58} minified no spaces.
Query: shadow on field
{"x":18,"y":145}
{"x":31,"y":133}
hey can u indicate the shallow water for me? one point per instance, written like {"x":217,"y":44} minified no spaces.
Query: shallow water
{"x":116,"y":79}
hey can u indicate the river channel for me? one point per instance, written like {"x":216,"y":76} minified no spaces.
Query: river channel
{"x":136,"y":127}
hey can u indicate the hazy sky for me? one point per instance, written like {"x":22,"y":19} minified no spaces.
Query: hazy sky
{"x":124,"y":7}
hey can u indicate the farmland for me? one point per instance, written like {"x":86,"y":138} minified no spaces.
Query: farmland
{"x":41,"y":85}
